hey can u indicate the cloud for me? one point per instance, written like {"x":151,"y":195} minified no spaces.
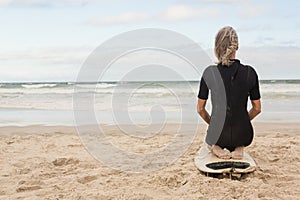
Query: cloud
{"x":63,"y":63}
{"x":43,"y":64}
{"x":220,"y":1}
{"x":76,"y":1}
{"x":42,"y":3}
{"x":271,"y":62}
{"x":179,"y":12}
{"x":254,"y":27}
{"x":22,"y":3}
{"x":47,"y":56}
{"x":130,"y":17}
{"x":246,"y":8}
{"x":184,"y":12}
{"x":264,"y":40}
{"x":5,"y":2}
{"x":172,"y":13}
{"x":249,"y":9}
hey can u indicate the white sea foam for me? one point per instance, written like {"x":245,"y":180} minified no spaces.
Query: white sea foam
{"x":105,"y":85}
{"x":36,"y":91}
{"x":279,"y":97}
{"x":38,"y":85}
{"x":280,"y":88}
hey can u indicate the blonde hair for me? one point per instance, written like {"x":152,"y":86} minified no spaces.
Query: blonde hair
{"x":226,"y":43}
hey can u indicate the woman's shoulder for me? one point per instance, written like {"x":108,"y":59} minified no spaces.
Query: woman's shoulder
{"x":250,"y":70}
{"x":248,"y":67}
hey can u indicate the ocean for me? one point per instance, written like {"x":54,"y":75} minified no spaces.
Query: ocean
{"x":24,"y":104}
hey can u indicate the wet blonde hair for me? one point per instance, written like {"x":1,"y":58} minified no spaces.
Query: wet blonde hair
{"x":226,"y":43}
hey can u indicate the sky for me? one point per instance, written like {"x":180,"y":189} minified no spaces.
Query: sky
{"x":49,"y":40}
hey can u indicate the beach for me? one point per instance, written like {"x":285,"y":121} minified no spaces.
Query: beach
{"x":50,"y":162}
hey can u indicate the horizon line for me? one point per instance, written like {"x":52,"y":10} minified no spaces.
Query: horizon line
{"x":115,"y":81}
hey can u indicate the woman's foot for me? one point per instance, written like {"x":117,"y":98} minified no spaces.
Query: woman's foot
{"x":238,"y":153}
{"x":219,"y":152}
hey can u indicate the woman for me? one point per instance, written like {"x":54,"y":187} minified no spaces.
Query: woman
{"x":239,"y":82}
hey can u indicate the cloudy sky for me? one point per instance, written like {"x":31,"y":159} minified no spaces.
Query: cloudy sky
{"x":48,"y":40}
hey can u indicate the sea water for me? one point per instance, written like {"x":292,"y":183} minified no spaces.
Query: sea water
{"x":23,"y":104}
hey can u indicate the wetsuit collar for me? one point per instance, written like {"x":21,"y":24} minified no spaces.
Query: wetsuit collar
{"x":236,"y":60}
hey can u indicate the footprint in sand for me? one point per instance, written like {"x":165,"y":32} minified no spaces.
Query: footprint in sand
{"x":28,"y":188}
{"x":65,"y":161}
{"x":86,"y":179}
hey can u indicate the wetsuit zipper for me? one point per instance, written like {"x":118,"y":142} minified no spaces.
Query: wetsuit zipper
{"x":233,"y":75}
{"x":230,"y":109}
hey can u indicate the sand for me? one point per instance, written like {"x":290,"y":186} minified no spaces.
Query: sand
{"x":39,"y":162}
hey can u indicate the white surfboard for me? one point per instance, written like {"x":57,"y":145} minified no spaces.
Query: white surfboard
{"x":207,"y":162}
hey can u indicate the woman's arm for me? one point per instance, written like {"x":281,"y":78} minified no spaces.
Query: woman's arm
{"x":255,"y":110}
{"x":202,"y":111}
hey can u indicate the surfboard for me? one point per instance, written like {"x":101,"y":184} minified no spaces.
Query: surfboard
{"x":207,"y":162}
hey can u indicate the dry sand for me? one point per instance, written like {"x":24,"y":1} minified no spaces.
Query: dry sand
{"x":51,"y":163}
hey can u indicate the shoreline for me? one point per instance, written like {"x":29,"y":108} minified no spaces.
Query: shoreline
{"x":260,"y":128}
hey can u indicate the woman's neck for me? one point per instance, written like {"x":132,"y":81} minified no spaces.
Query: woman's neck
{"x":232,"y":56}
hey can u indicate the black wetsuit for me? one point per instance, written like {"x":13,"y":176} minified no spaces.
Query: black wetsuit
{"x":240,"y":82}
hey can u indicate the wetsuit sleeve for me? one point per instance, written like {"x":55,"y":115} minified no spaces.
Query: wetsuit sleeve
{"x":254,"y":91}
{"x":203,"y":90}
